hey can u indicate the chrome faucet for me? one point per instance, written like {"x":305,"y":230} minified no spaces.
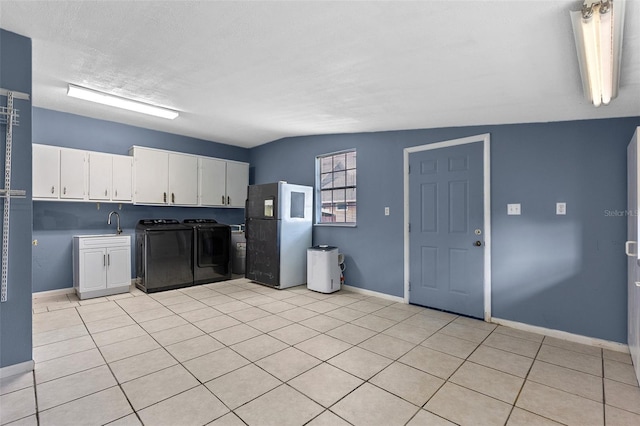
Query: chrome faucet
{"x":118,"y":229}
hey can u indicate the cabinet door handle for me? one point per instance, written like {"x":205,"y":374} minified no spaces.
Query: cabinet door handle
{"x":164,"y":196}
{"x":228,"y":200}
{"x":104,"y":260}
{"x":116,"y":192}
{"x":105,"y":192}
{"x":173,"y":198}
{"x":64,"y":190}
{"x":53,"y":188}
{"x":223,"y":200}
{"x":109,"y":259}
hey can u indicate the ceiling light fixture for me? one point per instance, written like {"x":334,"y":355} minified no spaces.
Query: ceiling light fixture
{"x":118,"y":102}
{"x":598,"y":32}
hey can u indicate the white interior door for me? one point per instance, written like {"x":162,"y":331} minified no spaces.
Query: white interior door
{"x":633,"y":259}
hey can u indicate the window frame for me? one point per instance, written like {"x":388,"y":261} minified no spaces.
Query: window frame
{"x":318,"y":190}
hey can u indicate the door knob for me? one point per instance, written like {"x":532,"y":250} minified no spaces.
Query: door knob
{"x":477,"y":243}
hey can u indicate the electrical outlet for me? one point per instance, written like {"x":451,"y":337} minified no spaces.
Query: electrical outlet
{"x":561,"y":208}
{"x":386,"y":211}
{"x":513,"y":209}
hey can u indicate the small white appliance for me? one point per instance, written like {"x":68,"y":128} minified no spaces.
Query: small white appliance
{"x":323,"y":269}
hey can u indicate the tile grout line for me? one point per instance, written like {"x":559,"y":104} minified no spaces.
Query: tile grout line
{"x":35,"y":395}
{"x":524,"y":382}
{"x":110,"y":370}
{"x":392,"y":362}
{"x":604,"y":396}
{"x":171,"y":355}
{"x":351,"y":345}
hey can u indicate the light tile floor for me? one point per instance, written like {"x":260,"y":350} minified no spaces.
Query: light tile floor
{"x":236,"y":353}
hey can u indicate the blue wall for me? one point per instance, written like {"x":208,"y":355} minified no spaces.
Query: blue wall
{"x":15,"y":313}
{"x":55,"y":222}
{"x":560,"y":272}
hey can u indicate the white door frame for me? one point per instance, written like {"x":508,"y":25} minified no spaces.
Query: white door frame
{"x":486,"y":140}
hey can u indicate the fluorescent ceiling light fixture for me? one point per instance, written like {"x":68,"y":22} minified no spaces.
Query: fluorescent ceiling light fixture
{"x":598,"y":33}
{"x":118,"y":102}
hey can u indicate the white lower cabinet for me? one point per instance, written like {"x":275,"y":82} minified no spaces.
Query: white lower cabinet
{"x":101,"y":265}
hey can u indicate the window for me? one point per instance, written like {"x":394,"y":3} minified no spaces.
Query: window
{"x":336,"y":188}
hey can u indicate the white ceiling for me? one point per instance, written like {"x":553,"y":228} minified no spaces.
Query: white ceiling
{"x":246,"y":73}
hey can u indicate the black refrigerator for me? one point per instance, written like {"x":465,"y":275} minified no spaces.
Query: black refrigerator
{"x":278,"y":226}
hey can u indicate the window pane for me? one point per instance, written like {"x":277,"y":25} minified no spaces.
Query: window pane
{"x":327,"y":213}
{"x":351,"y":160}
{"x":339,"y":162}
{"x":326,"y":180}
{"x":336,"y":201}
{"x":351,"y":214}
{"x":339,"y":179}
{"x":351,"y":195}
{"x":326,"y":164}
{"x":351,"y":177}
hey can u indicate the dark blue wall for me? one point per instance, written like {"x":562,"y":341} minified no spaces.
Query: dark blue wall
{"x":15,"y":313}
{"x":560,"y":272}
{"x":55,"y":222}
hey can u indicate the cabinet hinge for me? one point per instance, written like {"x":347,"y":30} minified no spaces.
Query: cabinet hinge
{"x":409,"y":227}
{"x":409,"y":169}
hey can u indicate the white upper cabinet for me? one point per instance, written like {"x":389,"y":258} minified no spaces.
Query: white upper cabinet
{"x":212,"y":181}
{"x":146,"y":176}
{"x":183,"y":179}
{"x":150,"y":175}
{"x":72,"y":173}
{"x":110,"y":177}
{"x":164,"y":177}
{"x":46,"y":171}
{"x":100,"y":170}
{"x":237,"y":183}
{"x":122,"y":179}
{"x":222,"y":183}
{"x":58,"y":173}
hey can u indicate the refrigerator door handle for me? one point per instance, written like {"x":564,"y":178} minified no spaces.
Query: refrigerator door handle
{"x":627,"y":248}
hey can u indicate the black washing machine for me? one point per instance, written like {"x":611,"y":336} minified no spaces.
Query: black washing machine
{"x":211,"y":250}
{"x":164,"y":257}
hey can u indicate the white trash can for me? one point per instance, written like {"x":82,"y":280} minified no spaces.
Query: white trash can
{"x":323,"y":270}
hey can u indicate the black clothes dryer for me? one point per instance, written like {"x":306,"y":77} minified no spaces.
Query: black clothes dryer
{"x":211,"y":250}
{"x":163,"y":255}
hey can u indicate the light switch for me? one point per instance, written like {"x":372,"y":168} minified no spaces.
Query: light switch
{"x":561,"y":208}
{"x":386,"y":211}
{"x":513,"y":209}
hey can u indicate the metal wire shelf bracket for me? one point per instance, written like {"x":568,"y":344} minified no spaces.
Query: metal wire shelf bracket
{"x":8,"y":116}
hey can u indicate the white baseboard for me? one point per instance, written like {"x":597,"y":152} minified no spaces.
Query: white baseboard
{"x":12,"y":370}
{"x":49,"y":293}
{"x":570,"y":337}
{"x":61,"y":291}
{"x":373,"y":293}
